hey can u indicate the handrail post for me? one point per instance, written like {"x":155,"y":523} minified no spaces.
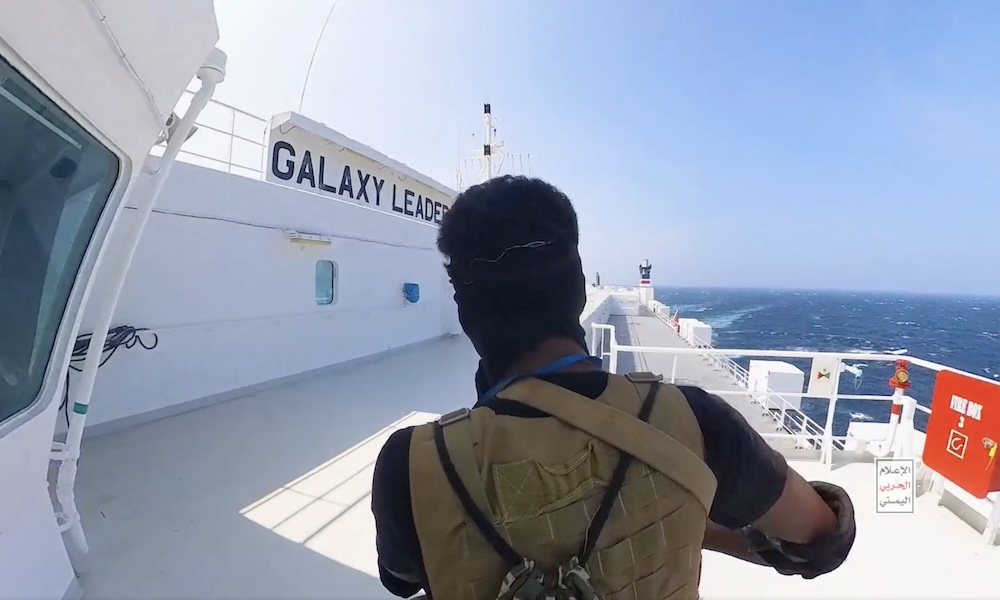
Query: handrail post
{"x":804,"y":430}
{"x":827,"y":452}
{"x":613,"y":360}
{"x":232,"y":141}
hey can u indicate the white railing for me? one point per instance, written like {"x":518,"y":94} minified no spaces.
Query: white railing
{"x":790,"y":418}
{"x":597,"y":345}
{"x":815,"y":433}
{"x":228,"y":139}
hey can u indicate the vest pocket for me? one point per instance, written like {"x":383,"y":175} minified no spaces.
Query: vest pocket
{"x":529,"y":488}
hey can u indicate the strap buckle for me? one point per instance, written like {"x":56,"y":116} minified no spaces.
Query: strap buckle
{"x":643,"y":377}
{"x":454,"y":417}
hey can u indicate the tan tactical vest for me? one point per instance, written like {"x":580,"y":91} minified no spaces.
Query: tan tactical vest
{"x":541,"y":480}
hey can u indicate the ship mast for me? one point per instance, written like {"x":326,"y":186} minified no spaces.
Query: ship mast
{"x":486,"y":173}
{"x":491,"y":161}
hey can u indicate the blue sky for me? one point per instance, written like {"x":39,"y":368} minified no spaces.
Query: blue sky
{"x":849,"y":145}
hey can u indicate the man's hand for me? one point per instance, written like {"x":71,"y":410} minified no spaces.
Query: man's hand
{"x":821,"y":554}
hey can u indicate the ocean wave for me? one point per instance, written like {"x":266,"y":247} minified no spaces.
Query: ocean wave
{"x":802,"y":349}
{"x":943,"y":330}
{"x":860,"y":416}
{"x":686,"y":308}
{"x":727,"y":319}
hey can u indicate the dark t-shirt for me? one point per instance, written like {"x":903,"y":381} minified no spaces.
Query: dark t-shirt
{"x":750,"y":473}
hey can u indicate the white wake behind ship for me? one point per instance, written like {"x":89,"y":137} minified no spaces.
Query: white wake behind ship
{"x":201,"y":357}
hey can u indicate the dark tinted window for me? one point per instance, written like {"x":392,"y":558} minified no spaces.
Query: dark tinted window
{"x":54,"y":182}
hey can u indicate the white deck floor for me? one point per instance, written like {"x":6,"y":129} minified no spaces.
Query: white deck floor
{"x":261,"y":497}
{"x":928,"y":554}
{"x":268,"y":497}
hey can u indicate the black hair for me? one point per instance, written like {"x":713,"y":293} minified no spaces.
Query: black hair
{"x":492,"y":216}
{"x":510,"y":247}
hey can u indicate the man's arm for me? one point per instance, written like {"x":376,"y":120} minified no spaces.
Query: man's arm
{"x":800,"y":515}
{"x":400,"y":564}
{"x":728,"y":541}
{"x":807,"y":526}
{"x":757,"y":488}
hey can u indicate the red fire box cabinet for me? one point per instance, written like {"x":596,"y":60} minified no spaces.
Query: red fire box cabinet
{"x":963,"y":432}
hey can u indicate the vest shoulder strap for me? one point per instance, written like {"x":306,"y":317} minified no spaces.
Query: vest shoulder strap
{"x":621,"y":430}
{"x":456,"y":451}
{"x":457,"y":432}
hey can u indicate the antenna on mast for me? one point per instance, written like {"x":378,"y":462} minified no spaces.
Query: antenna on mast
{"x":493,"y":160}
{"x":488,"y":145}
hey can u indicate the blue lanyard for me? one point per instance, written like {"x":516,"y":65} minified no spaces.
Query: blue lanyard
{"x":552,"y":367}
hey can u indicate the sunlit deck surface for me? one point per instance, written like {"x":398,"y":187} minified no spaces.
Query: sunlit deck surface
{"x":267,"y":496}
{"x":930,"y":553}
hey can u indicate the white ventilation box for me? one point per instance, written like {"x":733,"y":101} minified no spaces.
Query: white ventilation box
{"x":779,"y":377}
{"x":692,"y":329}
{"x":701,"y":332}
{"x":685,"y":327}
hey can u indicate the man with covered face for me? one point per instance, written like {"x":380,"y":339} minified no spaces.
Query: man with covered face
{"x":564,"y":480}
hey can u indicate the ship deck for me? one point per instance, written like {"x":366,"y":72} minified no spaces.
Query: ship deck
{"x":266,"y":496}
{"x":648,"y":330}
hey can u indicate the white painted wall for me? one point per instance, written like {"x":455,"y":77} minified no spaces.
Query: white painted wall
{"x":646,"y":294}
{"x":33,"y":559}
{"x":232,"y":299}
{"x":601,"y":304}
{"x":626,"y":302}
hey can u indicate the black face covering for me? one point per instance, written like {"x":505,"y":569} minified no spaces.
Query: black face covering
{"x":508,"y":306}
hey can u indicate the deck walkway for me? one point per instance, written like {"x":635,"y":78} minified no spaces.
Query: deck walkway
{"x":267,"y":497}
{"x":648,"y":330}
{"x":262,"y":497}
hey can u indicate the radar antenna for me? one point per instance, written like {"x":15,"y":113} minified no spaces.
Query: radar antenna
{"x":490,"y":159}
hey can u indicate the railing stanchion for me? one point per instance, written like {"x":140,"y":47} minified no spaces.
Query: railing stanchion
{"x":827,"y":452}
